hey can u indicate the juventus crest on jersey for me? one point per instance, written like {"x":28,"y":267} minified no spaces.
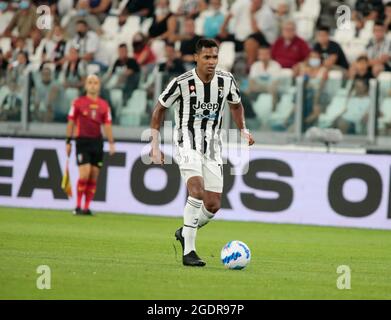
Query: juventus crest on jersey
{"x":199,"y":108}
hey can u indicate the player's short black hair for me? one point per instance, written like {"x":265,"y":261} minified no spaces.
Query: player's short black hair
{"x":123,"y":45}
{"x":324,"y":28}
{"x":205,"y":43}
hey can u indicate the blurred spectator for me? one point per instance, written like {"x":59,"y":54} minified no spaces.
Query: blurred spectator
{"x":124,"y":74}
{"x":18,"y":45}
{"x":35,"y":47}
{"x":164,"y":22}
{"x":315,"y":77}
{"x":73,"y":74}
{"x":142,"y":8}
{"x":251,"y":20}
{"x":289,"y":50}
{"x":86,"y":41}
{"x":142,"y":51}
{"x":214,"y":19}
{"x":3,"y":68}
{"x":82,"y":14}
{"x":74,"y":70}
{"x":359,"y":23}
{"x":6,"y":15}
{"x":356,"y":109}
{"x":173,"y":66}
{"x":23,"y":21}
{"x":379,"y":49}
{"x":64,"y":7}
{"x":282,"y":14}
{"x":264,"y":29}
{"x":263,"y":77}
{"x":361,"y":70}
{"x":54,"y":48}
{"x":188,"y":44}
{"x":387,"y":19}
{"x":11,"y":93}
{"x":99,"y":8}
{"x":370,"y":9}
{"x":275,"y":4}
{"x":191,"y":8}
{"x":331,"y":52}
{"x":45,"y":97}
{"x":263,"y":72}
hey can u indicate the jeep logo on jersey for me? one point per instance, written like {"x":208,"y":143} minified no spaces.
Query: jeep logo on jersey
{"x":206,"y":106}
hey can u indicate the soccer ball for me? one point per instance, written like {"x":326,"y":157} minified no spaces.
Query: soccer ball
{"x":235,"y":255}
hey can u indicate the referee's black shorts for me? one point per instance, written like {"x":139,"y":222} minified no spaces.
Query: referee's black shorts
{"x":89,"y":151}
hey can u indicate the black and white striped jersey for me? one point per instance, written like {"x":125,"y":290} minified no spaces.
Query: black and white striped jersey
{"x":199,"y":109}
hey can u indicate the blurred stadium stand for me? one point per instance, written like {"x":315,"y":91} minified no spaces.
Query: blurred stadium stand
{"x":42,"y":69}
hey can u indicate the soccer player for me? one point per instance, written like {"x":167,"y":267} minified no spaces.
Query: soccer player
{"x":200,"y":96}
{"x":88,"y":113}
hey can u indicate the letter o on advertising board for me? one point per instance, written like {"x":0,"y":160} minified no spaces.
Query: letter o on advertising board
{"x":153,"y":197}
{"x":361,"y":208}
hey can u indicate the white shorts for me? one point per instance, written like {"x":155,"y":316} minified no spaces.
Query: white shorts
{"x":193,"y":163}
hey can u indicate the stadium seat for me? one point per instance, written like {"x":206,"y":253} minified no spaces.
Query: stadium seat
{"x":226,"y":55}
{"x":263,"y":107}
{"x":357,"y":108}
{"x":118,"y":6}
{"x":116,"y":99}
{"x":367,"y":32}
{"x":174,"y":5}
{"x":384,"y":80}
{"x":334,"y":110}
{"x":145,"y":25}
{"x":5,"y":44}
{"x":305,"y":25}
{"x":112,"y":37}
{"x":285,"y":79}
{"x":343,"y":36}
{"x":158,"y":48}
{"x":132,"y":114}
{"x":5,"y":19}
{"x":385,"y":118}
{"x":109,"y":27}
{"x":4,"y":91}
{"x":311,"y":8}
{"x":357,"y":47}
{"x":334,"y":82}
{"x":279,"y":119}
{"x":199,"y":24}
{"x":93,"y":68}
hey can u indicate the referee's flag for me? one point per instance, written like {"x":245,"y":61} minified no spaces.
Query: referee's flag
{"x":66,"y":182}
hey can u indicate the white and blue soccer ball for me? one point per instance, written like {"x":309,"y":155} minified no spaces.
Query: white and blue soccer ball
{"x":235,"y":255}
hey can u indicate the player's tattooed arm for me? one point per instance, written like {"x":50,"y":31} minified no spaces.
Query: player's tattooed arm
{"x":237,"y":112}
{"x":157,"y":118}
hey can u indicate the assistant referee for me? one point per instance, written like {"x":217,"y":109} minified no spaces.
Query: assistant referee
{"x":87,"y":114}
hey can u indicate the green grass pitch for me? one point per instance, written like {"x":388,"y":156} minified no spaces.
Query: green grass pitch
{"x":132,"y":257}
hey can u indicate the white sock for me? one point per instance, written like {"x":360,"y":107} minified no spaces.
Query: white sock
{"x":190,"y":219}
{"x":205,"y":216}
